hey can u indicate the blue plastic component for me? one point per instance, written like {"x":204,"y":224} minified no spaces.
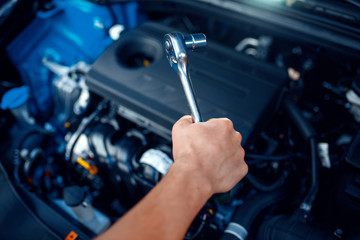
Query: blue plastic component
{"x":72,"y":31}
{"x":15,"y":97}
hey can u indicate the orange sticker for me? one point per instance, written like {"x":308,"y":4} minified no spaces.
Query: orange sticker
{"x":71,"y":236}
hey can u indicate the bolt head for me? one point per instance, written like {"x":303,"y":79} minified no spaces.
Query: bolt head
{"x":167,"y":45}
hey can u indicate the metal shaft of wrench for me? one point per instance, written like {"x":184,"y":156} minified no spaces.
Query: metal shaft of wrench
{"x":176,"y":45}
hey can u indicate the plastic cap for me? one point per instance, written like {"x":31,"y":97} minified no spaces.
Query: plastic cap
{"x":73,"y":195}
{"x":15,"y":97}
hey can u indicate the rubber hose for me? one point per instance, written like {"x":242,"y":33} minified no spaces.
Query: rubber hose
{"x":291,"y":228}
{"x":245,"y":214}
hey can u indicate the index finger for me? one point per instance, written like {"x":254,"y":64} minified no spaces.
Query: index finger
{"x":183,"y":121}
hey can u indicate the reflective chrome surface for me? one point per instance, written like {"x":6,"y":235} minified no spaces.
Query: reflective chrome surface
{"x":176,"y":45}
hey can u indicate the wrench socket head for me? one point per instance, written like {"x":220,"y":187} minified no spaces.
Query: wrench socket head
{"x":175,"y":45}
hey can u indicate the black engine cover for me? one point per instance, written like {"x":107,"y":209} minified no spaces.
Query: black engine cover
{"x":226,"y":83}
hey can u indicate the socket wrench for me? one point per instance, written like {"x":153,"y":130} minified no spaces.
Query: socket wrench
{"x":176,"y":45}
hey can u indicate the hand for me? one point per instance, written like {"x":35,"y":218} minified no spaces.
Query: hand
{"x":211,"y":151}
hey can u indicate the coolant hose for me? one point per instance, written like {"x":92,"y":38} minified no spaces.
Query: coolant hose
{"x":244,"y":216}
{"x":285,"y":227}
{"x":309,"y":135}
{"x":296,"y":116}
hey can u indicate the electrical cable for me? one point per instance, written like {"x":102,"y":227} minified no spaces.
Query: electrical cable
{"x":17,"y":163}
{"x":253,"y":159}
{"x":82,"y":127}
{"x":30,"y":133}
{"x":105,"y":142}
{"x":267,"y":188}
{"x":17,"y":160}
{"x":33,"y":155}
{"x":306,"y":205}
{"x":353,"y":2}
{"x":271,"y":158}
{"x":8,"y":84}
{"x":198,"y":231}
{"x":143,"y":181}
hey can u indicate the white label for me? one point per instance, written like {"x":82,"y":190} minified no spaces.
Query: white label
{"x":323,"y":151}
{"x":157,"y":159}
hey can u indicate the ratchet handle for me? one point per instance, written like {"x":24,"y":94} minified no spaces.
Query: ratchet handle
{"x":189,"y":93}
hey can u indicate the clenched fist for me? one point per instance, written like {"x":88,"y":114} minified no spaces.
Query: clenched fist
{"x":211,"y":151}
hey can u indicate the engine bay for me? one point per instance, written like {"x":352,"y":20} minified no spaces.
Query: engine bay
{"x":223,"y":90}
{"x":89,"y":101}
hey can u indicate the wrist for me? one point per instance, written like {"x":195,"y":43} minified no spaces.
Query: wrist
{"x":193,"y":179}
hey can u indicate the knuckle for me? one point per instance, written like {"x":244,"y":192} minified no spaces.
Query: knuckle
{"x":242,"y":152}
{"x":227,"y":123}
{"x":183,"y":121}
{"x":175,"y":127}
{"x":238,"y":137}
{"x":245,"y":168}
{"x":212,"y":119}
{"x":242,"y":166}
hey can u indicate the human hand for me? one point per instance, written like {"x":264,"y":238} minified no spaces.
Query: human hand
{"x":210,"y":151}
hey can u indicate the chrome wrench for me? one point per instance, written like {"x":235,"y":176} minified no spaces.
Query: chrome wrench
{"x":176,"y":45}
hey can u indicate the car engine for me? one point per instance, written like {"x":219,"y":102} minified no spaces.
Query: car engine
{"x":88,"y":101}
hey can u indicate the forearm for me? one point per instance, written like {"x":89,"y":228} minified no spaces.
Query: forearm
{"x":167,"y":211}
